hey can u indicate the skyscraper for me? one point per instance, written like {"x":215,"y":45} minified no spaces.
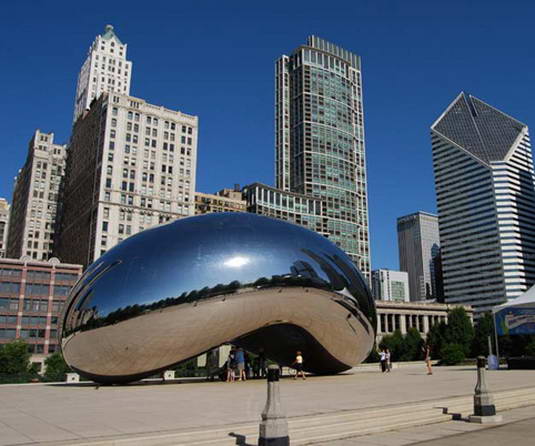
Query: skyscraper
{"x":419,"y":246}
{"x":319,"y":138}
{"x":105,"y":69}
{"x":4,"y":225}
{"x":485,"y":191}
{"x":34,"y":208}
{"x":131,"y":166}
{"x":390,"y":285}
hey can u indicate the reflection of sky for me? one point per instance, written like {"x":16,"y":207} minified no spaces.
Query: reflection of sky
{"x":203,"y":252}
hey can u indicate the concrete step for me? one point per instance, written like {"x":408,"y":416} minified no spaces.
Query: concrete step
{"x":329,"y":426}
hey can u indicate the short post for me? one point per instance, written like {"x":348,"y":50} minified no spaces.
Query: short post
{"x":72,"y":378}
{"x":484,"y":409}
{"x":274,"y":426}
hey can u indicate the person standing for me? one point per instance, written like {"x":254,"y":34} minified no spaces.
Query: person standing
{"x":240,"y":361}
{"x":298,"y":366}
{"x":231,"y":363}
{"x":427,"y":358}
{"x":382,"y":356}
{"x":262,"y":363}
{"x":388,"y":360}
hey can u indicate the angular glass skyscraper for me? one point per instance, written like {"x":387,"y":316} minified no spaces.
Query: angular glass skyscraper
{"x":485,"y":189}
{"x":319,"y":137}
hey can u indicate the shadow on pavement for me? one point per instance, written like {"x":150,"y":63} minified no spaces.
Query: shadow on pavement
{"x":241,"y":440}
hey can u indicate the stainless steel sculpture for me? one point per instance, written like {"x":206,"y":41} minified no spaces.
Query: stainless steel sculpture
{"x":173,"y":292}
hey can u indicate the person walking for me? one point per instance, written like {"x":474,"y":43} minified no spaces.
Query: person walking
{"x":388,"y":361}
{"x":240,"y":361}
{"x":427,"y":358}
{"x":262,"y":363}
{"x":382,"y":356}
{"x":298,"y":365}
{"x":231,"y":363}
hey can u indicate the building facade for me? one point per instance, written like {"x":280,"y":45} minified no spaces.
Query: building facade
{"x":390,"y":285}
{"x":401,"y":316}
{"x":131,"y":166}
{"x":485,"y":189}
{"x":319,"y":138}
{"x":34,"y":207}
{"x":4,"y":226}
{"x":419,"y":247}
{"x":32,"y":296}
{"x":304,"y":210}
{"x":226,"y":200}
{"x":104,"y":70}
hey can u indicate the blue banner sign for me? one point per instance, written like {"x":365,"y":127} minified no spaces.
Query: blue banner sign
{"x":515,"y":321}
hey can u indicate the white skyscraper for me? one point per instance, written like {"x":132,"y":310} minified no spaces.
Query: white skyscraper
{"x":32,"y":221}
{"x":105,"y":69}
{"x":485,"y":188}
{"x":390,"y":285}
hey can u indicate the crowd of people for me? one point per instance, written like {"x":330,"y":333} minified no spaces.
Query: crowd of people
{"x":240,"y":366}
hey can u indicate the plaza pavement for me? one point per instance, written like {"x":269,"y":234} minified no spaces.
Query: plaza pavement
{"x":320,"y":409}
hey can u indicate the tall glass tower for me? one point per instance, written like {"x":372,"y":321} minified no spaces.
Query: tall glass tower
{"x":319,"y":138}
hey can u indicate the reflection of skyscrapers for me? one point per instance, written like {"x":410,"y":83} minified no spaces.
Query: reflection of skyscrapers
{"x":320,"y":148}
{"x":419,"y":245}
{"x":485,"y":190}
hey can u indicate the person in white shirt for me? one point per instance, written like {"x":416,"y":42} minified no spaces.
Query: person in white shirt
{"x":382,"y":355}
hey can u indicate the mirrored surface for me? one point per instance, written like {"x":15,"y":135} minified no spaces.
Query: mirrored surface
{"x":173,"y":292}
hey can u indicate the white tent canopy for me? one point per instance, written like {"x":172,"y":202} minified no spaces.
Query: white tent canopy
{"x":526,"y":299}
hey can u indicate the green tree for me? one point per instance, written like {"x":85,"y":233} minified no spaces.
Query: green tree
{"x":482,"y":330}
{"x":436,"y":338}
{"x":452,"y":354}
{"x":459,"y":329}
{"x":14,"y":358}
{"x":412,"y":345}
{"x":56,"y":367}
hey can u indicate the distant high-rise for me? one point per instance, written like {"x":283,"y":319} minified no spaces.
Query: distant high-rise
{"x":32,"y":222}
{"x":390,"y":285}
{"x":419,"y":245}
{"x":4,"y":225}
{"x":485,"y":190}
{"x":319,"y":133}
{"x":131,"y":165}
{"x":104,"y":70}
{"x":226,"y":200}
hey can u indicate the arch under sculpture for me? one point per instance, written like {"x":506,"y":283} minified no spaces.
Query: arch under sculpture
{"x":173,"y":292}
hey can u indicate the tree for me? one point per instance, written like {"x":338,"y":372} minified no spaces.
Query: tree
{"x":482,"y":330}
{"x":436,"y":338}
{"x":459,"y":329}
{"x":452,"y":354}
{"x":14,"y":358}
{"x":56,"y":367}
{"x":412,"y":345}
{"x":394,"y":343}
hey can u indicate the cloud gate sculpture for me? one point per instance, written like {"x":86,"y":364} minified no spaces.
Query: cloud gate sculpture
{"x":170,"y":293}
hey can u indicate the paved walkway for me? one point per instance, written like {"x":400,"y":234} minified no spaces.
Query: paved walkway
{"x":71,"y":413}
{"x":518,"y":428}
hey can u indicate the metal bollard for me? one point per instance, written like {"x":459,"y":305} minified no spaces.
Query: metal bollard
{"x":274,"y":426}
{"x":484,"y":409}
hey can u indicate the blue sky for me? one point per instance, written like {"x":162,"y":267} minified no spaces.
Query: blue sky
{"x":216,"y":60}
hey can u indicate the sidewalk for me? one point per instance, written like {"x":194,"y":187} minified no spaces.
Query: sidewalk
{"x":518,"y":428}
{"x":319,"y":409}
